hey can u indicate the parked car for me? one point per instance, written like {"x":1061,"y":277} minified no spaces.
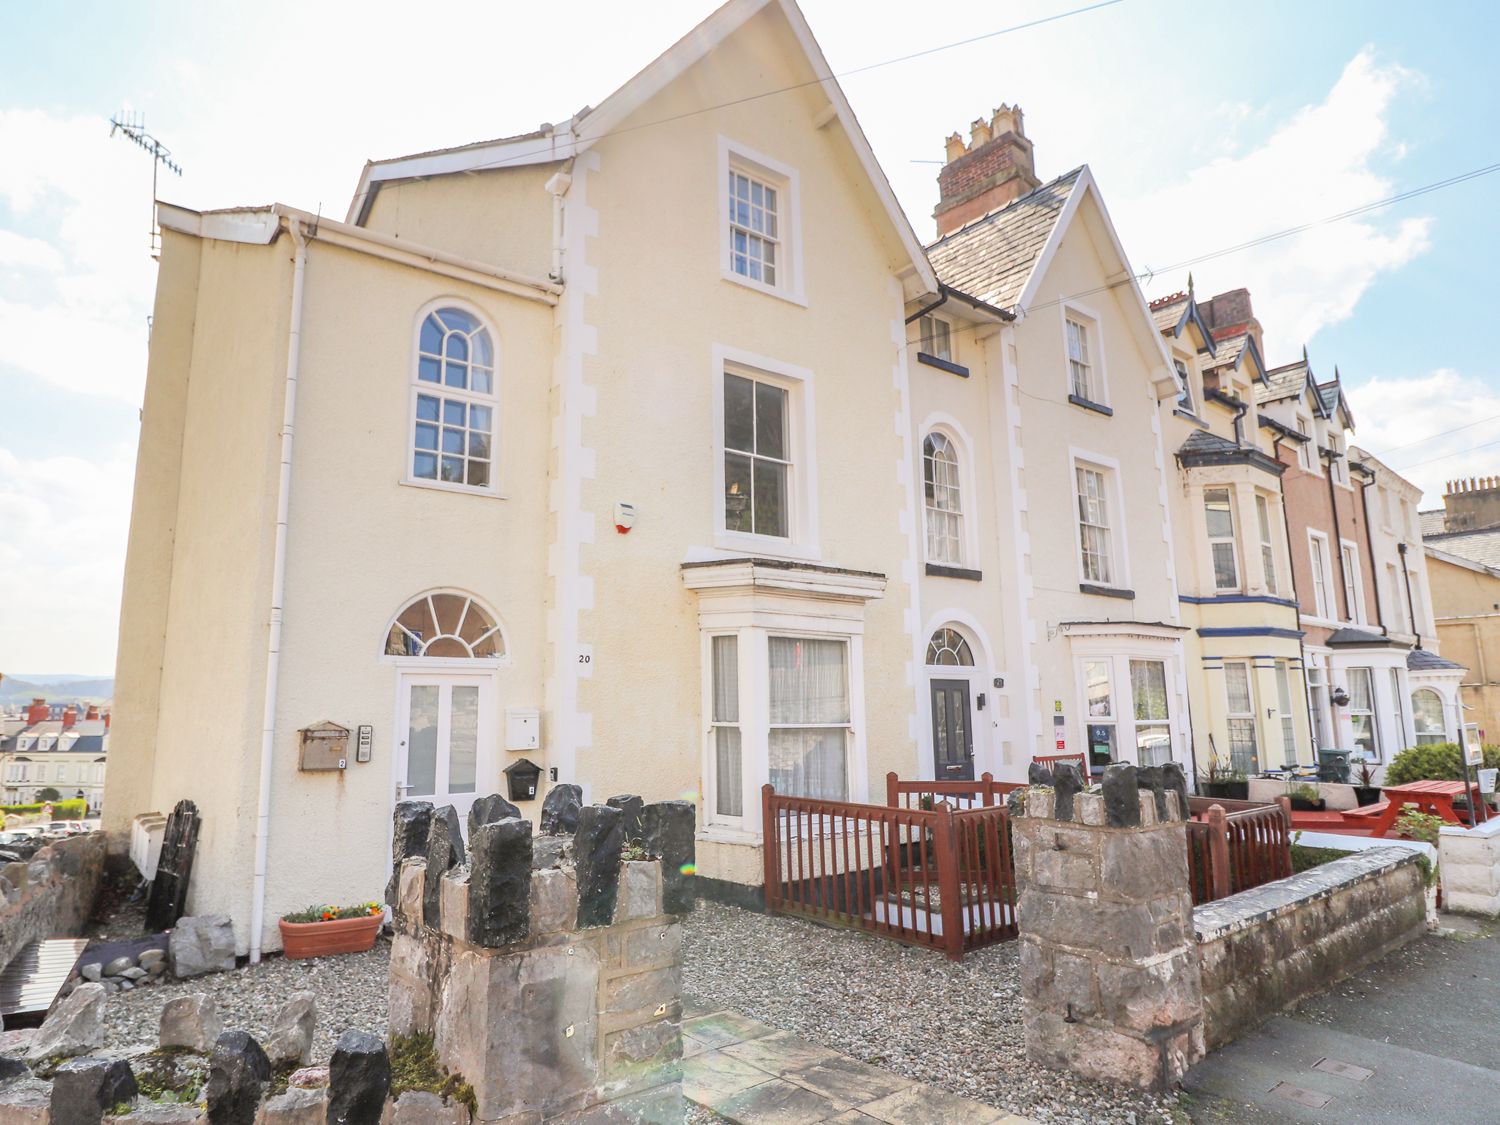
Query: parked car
{"x":20,"y":845}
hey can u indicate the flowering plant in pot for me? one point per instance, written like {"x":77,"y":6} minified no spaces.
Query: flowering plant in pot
{"x":320,"y":931}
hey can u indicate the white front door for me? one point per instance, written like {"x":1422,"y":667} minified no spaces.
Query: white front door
{"x":445,"y":738}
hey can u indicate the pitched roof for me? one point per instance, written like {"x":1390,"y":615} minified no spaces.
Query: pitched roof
{"x":1433,"y":522}
{"x":1360,"y":638}
{"x":1420,"y":660}
{"x":1482,"y":547}
{"x":1286,"y":381}
{"x":1168,"y":312}
{"x":1204,"y":448}
{"x":992,"y":257}
{"x":1201,"y":441}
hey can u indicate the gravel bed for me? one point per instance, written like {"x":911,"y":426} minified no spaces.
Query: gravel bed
{"x":351,"y":991}
{"x":955,"y":1025}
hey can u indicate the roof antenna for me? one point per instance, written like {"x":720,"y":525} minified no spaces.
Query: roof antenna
{"x":133,"y":125}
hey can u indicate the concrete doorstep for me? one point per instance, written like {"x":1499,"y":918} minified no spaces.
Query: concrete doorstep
{"x":752,"y":1074}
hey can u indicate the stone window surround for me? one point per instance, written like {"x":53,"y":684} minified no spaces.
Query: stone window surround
{"x":783,"y":177}
{"x":802,"y":476}
{"x":1244,"y":482}
{"x":1089,"y":320}
{"x":1117,"y":525}
{"x":963,"y":449}
{"x":755,"y":599}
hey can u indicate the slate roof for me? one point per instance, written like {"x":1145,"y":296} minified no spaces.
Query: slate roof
{"x":1167,"y":311}
{"x":1228,"y":348}
{"x":1433,"y":522}
{"x":1361,"y":638}
{"x":991,"y":258}
{"x":1420,"y":660}
{"x":1203,"y":448}
{"x":1201,"y":441}
{"x":1482,"y":547}
{"x":1282,"y":382}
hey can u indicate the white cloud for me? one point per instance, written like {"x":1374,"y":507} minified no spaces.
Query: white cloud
{"x":1319,"y":163}
{"x":1431,"y":428}
{"x":61,"y":558}
{"x":75,"y":273}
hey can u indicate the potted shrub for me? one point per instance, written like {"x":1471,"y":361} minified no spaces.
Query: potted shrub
{"x":1305,"y":798}
{"x":320,"y":931}
{"x":1223,"y":781}
{"x":1366,"y":792}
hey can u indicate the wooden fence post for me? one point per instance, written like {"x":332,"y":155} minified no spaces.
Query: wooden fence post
{"x":1218,"y":851}
{"x":945,"y":853}
{"x":771,"y":847}
{"x":987,"y":779}
{"x":890,"y":789}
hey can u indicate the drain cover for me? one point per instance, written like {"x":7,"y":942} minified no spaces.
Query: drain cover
{"x":1342,"y":1069}
{"x":1310,"y":1098}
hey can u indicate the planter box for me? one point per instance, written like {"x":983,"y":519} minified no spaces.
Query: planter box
{"x":1229,"y":790}
{"x":322,"y":939}
{"x":1366,"y":796}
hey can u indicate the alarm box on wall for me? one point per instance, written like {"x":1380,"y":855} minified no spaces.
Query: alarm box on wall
{"x":523,"y":728}
{"x":325,"y":746}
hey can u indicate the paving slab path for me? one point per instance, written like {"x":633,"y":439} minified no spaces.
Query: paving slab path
{"x":749,"y":1073}
{"x":1408,"y":1039}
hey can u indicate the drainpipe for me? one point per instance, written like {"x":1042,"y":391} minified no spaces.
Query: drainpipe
{"x":278,"y":592}
{"x":1286,"y":527}
{"x":557,"y":186}
{"x":1364,"y":501}
{"x":925,"y":309}
{"x":1411,"y":608}
{"x":1337,"y":546}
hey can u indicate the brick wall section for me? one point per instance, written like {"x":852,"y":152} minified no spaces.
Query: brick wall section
{"x":985,"y":178}
{"x":1308,"y":506}
{"x":1265,"y":948}
{"x":49,"y":895}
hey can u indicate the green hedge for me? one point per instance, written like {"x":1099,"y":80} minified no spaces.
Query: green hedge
{"x":61,"y":810}
{"x":1441,"y":761}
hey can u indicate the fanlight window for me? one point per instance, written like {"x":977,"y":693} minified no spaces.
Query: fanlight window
{"x":949,"y":649}
{"x":445,"y":625}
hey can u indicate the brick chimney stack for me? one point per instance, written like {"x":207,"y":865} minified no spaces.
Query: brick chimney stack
{"x":69,"y":716}
{"x":38,"y":712}
{"x":1231,"y":310}
{"x":92,"y":713}
{"x":994,"y":168}
{"x":1472,"y":504}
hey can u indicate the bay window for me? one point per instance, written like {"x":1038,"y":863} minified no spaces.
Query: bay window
{"x":809,"y":718}
{"x":1218,"y":511}
{"x":1127,"y":710}
{"x":1427,"y":717}
{"x":1239,"y":693}
{"x":1361,"y":709}
{"x":1148,"y":694}
{"x":1267,"y":544}
{"x":724,"y":720}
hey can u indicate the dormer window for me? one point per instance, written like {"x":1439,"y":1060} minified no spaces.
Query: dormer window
{"x":1185,"y":382}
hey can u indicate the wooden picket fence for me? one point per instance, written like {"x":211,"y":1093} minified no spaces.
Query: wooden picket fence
{"x":1236,"y":845}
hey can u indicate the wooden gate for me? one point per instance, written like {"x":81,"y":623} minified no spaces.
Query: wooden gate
{"x":174,"y":868}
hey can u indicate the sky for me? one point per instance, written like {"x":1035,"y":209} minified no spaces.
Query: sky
{"x":1207,"y":124}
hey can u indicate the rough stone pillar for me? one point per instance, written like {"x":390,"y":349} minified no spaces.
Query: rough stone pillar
{"x":550,"y":977}
{"x":1109,"y":976}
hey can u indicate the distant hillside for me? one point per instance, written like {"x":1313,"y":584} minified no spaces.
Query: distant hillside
{"x":67,"y":690}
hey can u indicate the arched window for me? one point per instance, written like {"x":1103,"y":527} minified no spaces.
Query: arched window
{"x":948,"y":649}
{"x":944,"y":500}
{"x":1427,"y":717}
{"x":451,"y":625}
{"x":453,"y":426}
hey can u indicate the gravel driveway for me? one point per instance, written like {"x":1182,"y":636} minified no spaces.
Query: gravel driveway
{"x":955,"y":1025}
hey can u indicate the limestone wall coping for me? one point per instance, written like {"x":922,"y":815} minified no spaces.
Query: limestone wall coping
{"x":1215,"y":920}
{"x":1485,"y":831}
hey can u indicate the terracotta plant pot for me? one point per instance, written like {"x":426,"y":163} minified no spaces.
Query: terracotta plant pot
{"x":322,"y":939}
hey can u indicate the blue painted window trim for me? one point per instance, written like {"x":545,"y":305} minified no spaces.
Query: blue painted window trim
{"x":1263,"y":599}
{"x":943,"y":365}
{"x":1251,"y":631}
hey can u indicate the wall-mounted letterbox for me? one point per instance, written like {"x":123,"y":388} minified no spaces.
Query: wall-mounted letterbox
{"x":522,"y":728}
{"x":523,"y":777}
{"x":325,"y":746}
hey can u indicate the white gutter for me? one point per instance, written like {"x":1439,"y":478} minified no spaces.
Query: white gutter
{"x":278,"y":592}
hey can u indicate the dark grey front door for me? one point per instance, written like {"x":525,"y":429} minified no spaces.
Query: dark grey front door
{"x":952,"y":735}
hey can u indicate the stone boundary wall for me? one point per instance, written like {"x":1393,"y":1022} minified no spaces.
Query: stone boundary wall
{"x":1268,"y":947}
{"x":49,"y":895}
{"x":1469,"y":859}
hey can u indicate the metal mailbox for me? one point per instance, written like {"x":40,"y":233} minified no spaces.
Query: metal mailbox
{"x":325,"y":746}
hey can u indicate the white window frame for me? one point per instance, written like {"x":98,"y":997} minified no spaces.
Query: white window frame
{"x":1339,"y":464}
{"x":439,"y":390}
{"x":930,"y":511}
{"x":933,"y":329}
{"x":1119,"y":547}
{"x":754,"y":631}
{"x":1252,"y":716}
{"x":1420,"y":738}
{"x":1237,"y":582}
{"x":958,"y":437}
{"x":1185,"y":369}
{"x":1117,"y":656}
{"x":1373,"y":712}
{"x":802,"y":483}
{"x":1089,"y":321}
{"x":1398,"y":600}
{"x":1399,"y":694}
{"x":1354,"y":587}
{"x":1307,"y":454}
{"x":1265,"y":526}
{"x":784,"y":178}
{"x":1323,"y":587}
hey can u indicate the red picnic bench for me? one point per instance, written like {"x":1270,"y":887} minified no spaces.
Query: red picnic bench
{"x":1435,"y":797}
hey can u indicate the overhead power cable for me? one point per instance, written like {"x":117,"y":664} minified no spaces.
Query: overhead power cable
{"x":1445,"y":456}
{"x":543,"y":150}
{"x":1434,"y":437}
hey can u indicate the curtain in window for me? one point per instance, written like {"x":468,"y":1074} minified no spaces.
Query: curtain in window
{"x":729,"y":789}
{"x":809,"y":688}
{"x":1427,"y":717}
{"x":1362,"y":711}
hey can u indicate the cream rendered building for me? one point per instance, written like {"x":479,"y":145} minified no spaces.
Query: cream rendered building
{"x":1249,"y":701}
{"x":493,"y":472}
